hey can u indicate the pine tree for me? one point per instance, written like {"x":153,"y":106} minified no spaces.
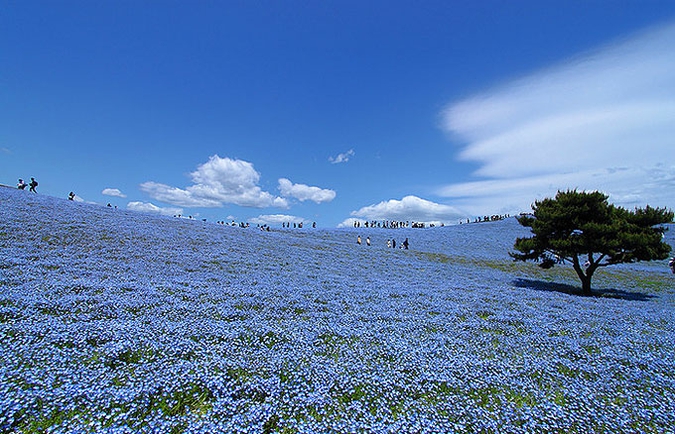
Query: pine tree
{"x":586,"y":230}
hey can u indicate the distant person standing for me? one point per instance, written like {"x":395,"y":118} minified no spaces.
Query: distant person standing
{"x":21,"y":185}
{"x":368,"y":241}
{"x":405,"y":244}
{"x":358,"y":240}
{"x":33,"y":184}
{"x":71,"y":196}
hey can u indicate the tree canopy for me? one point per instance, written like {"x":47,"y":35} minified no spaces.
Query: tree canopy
{"x":586,"y":230}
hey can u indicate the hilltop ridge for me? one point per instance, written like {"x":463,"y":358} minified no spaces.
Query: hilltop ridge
{"x":54,"y":210}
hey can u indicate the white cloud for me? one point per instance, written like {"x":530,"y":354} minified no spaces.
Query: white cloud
{"x":113,"y":192}
{"x":342,"y":158}
{"x":176,"y":196}
{"x":304,"y":192}
{"x":410,"y":208}
{"x":151,"y":208}
{"x":217,"y":182}
{"x":604,"y":121}
{"x":277,"y":219}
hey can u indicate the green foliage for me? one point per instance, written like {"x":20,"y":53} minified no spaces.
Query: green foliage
{"x":583,"y":228}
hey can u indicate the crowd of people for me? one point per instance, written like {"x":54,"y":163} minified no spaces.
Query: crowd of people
{"x":391,"y":224}
{"x":261,"y":227}
{"x":487,"y":218}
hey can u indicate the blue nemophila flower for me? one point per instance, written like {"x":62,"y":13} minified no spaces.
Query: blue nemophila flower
{"x":119,"y":322}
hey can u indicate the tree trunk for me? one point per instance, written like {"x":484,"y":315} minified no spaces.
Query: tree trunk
{"x":586,"y":285}
{"x":585,"y":277}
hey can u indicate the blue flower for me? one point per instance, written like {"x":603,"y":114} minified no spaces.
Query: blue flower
{"x":119,"y":322}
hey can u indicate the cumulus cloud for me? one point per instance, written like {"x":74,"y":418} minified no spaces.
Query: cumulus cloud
{"x":304,"y":192}
{"x":602,"y":121}
{"x":342,"y":158}
{"x":151,"y":208}
{"x":217,"y":182}
{"x":177,"y":196}
{"x":113,"y":192}
{"x":410,"y":208}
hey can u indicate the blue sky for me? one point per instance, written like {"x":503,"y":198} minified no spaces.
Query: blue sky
{"x":328,"y":111}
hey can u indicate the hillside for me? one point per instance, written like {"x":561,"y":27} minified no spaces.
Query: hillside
{"x":117,"y":321}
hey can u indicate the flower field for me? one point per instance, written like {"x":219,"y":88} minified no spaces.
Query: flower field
{"x":114,"y":321}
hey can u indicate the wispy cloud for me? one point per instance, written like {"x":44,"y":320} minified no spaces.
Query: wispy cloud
{"x":304,"y":192}
{"x":217,"y":182}
{"x":410,"y":208}
{"x":604,"y":120}
{"x":342,"y":158}
{"x":152,"y":208}
{"x":113,"y":192}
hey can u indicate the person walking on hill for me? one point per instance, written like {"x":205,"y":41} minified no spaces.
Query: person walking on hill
{"x":21,"y":185}
{"x":33,"y":184}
